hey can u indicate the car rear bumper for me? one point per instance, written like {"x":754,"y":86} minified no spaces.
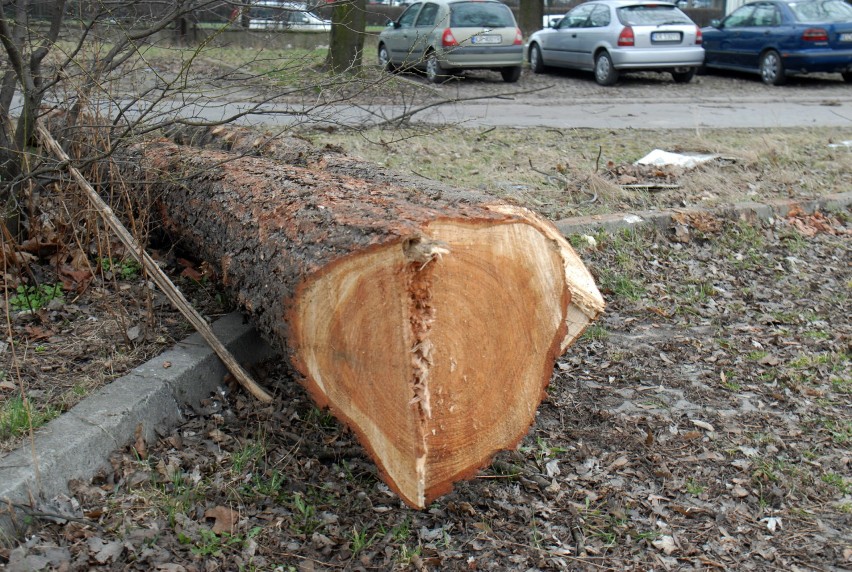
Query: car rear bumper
{"x":656,"y":58}
{"x":815,"y":61}
{"x":483,"y":57}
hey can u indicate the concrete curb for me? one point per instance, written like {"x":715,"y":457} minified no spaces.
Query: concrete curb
{"x":663,"y":219}
{"x":77,"y":444}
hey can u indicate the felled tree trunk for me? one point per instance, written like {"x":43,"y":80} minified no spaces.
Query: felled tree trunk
{"x":428,"y":322}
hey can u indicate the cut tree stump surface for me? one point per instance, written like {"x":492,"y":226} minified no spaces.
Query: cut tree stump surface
{"x":427,"y":319}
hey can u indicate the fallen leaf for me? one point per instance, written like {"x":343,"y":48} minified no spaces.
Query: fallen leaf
{"x":703,"y":425}
{"x":665,"y":543}
{"x":105,"y":551}
{"x":739,"y":492}
{"x":552,"y":468}
{"x":35,"y":333}
{"x":225,"y":519}
{"x":192,"y":274}
{"x":170,"y":568}
{"x":618,"y":463}
{"x":139,"y":444}
{"x":133,"y":332}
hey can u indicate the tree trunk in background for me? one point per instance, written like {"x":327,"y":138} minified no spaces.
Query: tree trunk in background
{"x":530,"y":14}
{"x":348,"y":23}
{"x":426,"y":320}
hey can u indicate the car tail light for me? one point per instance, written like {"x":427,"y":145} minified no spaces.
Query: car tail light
{"x":448,"y":40}
{"x":519,"y":37}
{"x":626,"y":37}
{"x":699,"y":37}
{"x":815,"y":35}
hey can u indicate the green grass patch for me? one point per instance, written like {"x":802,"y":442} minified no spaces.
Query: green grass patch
{"x":34,"y":298}
{"x":837,"y":481}
{"x":18,"y":415}
{"x":596,"y":332}
{"x":126,"y":269}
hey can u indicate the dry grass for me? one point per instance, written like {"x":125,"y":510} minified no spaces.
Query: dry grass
{"x":559,"y":172}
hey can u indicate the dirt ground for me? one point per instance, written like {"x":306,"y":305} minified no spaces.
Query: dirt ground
{"x":703,"y":423}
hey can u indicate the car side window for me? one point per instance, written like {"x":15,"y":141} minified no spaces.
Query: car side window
{"x":407,"y":18}
{"x":577,"y":17}
{"x":427,"y":15}
{"x":739,"y":18}
{"x":600,"y":17}
{"x":765,"y":15}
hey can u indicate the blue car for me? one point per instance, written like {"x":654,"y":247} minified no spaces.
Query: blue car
{"x":777,"y":38}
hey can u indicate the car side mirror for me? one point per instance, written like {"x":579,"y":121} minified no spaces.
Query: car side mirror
{"x":716,"y":23}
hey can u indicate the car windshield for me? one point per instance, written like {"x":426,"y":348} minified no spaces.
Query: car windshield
{"x":652,"y":15}
{"x":822,"y":11}
{"x":480,"y":14}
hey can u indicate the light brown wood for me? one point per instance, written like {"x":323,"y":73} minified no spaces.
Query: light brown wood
{"x":427,"y":319}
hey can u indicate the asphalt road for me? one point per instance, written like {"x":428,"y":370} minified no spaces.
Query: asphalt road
{"x":611,"y":114}
{"x":571,"y":102}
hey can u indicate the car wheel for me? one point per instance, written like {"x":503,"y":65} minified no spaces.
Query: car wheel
{"x":847,"y":77}
{"x":605,"y":72}
{"x":511,"y":74}
{"x":435,"y":72}
{"x":384,"y":59}
{"x":771,"y":68}
{"x":536,"y":63}
{"x":681,"y":76}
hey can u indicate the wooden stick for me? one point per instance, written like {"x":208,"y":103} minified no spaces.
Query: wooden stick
{"x":155,"y":272}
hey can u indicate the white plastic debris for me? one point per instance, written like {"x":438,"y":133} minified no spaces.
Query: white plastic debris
{"x":772,"y":522}
{"x":590,"y":240}
{"x":847,"y":144}
{"x":662,"y":158}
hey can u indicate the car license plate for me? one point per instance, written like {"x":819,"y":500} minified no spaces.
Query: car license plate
{"x":847,"y":37}
{"x":487,"y":39}
{"x":665,"y":37}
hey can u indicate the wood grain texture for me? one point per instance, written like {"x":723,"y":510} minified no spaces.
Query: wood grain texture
{"x":427,"y":319}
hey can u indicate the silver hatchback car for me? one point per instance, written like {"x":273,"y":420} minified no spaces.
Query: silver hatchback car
{"x":442,"y":37}
{"x":612,"y":36}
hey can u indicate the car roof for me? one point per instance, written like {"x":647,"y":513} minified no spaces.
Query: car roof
{"x":280,"y":4}
{"x":620,"y":3}
{"x":447,"y":2}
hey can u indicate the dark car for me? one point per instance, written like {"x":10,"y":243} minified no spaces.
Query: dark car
{"x":777,"y":38}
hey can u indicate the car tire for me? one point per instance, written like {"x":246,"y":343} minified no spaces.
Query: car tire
{"x":772,"y":68}
{"x":511,"y":74}
{"x":435,"y":72}
{"x":384,"y":59}
{"x":605,"y":72}
{"x":536,"y":63}
{"x":684,"y":76}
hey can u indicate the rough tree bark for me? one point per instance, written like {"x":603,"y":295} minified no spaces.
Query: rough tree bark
{"x":348,"y":22}
{"x":530,"y":13}
{"x":428,"y":321}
